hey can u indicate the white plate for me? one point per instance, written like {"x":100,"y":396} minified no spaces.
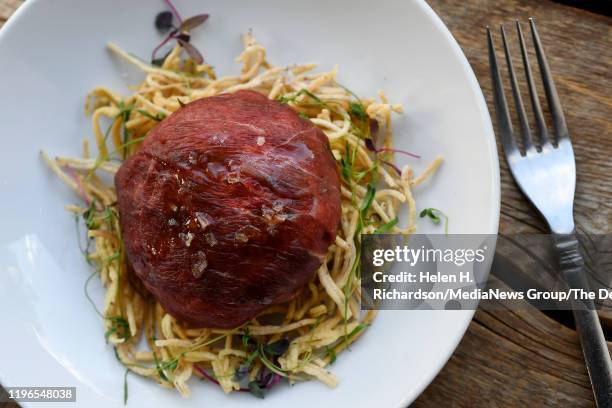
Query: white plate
{"x":52,"y":53}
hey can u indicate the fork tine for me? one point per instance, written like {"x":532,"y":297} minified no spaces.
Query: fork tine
{"x":516,"y":93}
{"x":533,"y":93}
{"x":549,"y":86}
{"x":499,"y":99}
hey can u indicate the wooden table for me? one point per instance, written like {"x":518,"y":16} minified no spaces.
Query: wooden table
{"x":525,"y":358}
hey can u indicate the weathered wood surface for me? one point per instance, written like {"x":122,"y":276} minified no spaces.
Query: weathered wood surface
{"x":8,"y":7}
{"x":512,"y":358}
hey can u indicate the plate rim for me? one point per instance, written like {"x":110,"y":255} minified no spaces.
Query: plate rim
{"x":496,"y":179}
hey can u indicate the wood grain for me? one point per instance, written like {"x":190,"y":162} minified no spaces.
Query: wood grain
{"x":577,"y":44}
{"x":516,"y":359}
{"x":8,"y":7}
{"x":523,"y":358}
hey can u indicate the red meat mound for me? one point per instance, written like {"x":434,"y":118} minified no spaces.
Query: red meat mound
{"x":228,"y":207}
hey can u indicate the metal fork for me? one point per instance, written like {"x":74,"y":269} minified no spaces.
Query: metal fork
{"x":547,"y":176}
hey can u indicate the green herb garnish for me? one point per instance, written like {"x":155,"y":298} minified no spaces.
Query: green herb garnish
{"x":245,"y":339}
{"x":244,"y":368}
{"x":357,"y":109}
{"x":255,"y":389}
{"x":120,"y":326}
{"x":125,"y":386}
{"x":383,"y":229}
{"x":292,"y":98}
{"x":114,"y":257}
{"x":367,"y":200}
{"x":434,"y":215}
{"x":124,"y":113}
{"x":102,"y":158}
{"x":159,"y":116}
{"x":357,"y":330}
{"x":163,"y":366}
{"x":332,"y":355}
{"x":278,"y":348}
{"x":269,"y":364}
{"x":89,"y":216}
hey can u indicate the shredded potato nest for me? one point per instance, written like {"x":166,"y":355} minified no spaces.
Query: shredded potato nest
{"x":297,"y":340}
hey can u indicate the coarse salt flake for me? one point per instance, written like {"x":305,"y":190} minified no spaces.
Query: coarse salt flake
{"x":187,"y":238}
{"x":233,"y":177}
{"x":199,"y":266}
{"x":210,"y":239}
{"x":241,"y":237}
{"x":203,"y":219}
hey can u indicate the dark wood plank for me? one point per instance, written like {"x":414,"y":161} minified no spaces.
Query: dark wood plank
{"x":8,"y":7}
{"x":510,"y":358}
{"x":577,"y":44}
{"x":596,"y":6}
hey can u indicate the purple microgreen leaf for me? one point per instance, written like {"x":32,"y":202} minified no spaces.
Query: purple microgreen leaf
{"x":169,"y":37}
{"x":242,"y":371}
{"x":183,"y":37}
{"x":174,"y":11}
{"x":393,"y":166}
{"x":158,"y":62}
{"x":205,"y":374}
{"x":273,"y":381}
{"x":163,"y":21}
{"x":388,"y":149}
{"x":192,"y":51}
{"x":374,"y":130}
{"x":277,"y":348}
{"x":370,"y":145}
{"x":193,"y":22}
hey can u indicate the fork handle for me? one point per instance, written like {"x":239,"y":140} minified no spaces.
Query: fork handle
{"x":592,"y":340}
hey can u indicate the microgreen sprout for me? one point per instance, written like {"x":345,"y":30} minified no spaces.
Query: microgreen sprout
{"x":434,"y":215}
{"x":164,"y":23}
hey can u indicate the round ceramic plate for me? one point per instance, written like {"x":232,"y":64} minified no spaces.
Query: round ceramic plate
{"x":53,"y":52}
